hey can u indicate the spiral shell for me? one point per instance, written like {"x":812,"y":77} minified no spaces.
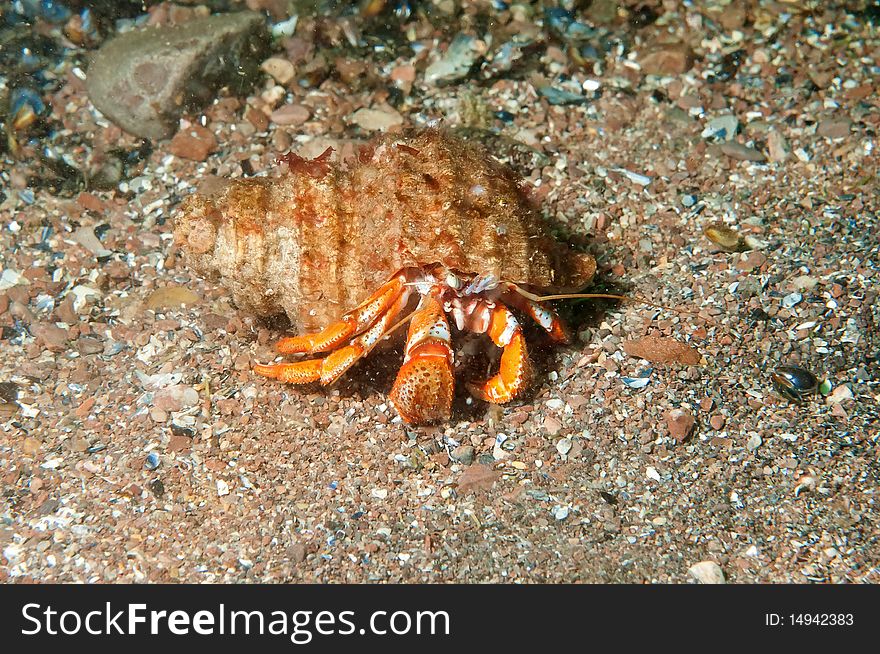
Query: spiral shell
{"x":318,"y":240}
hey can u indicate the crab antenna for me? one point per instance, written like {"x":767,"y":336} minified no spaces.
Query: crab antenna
{"x":595,"y":296}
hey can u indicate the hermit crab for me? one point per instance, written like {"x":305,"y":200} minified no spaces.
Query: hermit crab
{"x":426,"y":228}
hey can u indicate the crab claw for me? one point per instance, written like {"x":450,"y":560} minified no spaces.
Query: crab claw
{"x":423,"y":390}
{"x":515,"y":371}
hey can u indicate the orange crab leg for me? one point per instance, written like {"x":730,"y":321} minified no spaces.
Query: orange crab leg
{"x":513,"y":377}
{"x":425,"y":384}
{"x":334,"y":365}
{"x":541,"y":314}
{"x":351,"y":324}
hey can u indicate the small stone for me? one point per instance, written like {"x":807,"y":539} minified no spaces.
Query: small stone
{"x":66,"y":311}
{"x":717,"y":422}
{"x":89,"y":345}
{"x":456,"y":62}
{"x":175,"y":398}
{"x":85,"y":236}
{"x":754,"y":442}
{"x":179,"y":443}
{"x":791,"y":300}
{"x":297,"y":552}
{"x":194,"y":143}
{"x":291,"y":114}
{"x":91,"y":202}
{"x":281,"y":70}
{"x":667,"y":59}
{"x":563,"y":446}
{"x":658,"y":349}
{"x":777,"y":146}
{"x":152,"y":461}
{"x":30,"y":446}
{"x":403,"y":74}
{"x":681,"y":423}
{"x":707,"y":572}
{"x":741,"y":152}
{"x":839,"y":395}
{"x":804,"y":283}
{"x":170,"y":297}
{"x":53,"y":338}
{"x":222,"y":488}
{"x":560,"y":512}
{"x":834,"y":129}
{"x":722,"y":128}
{"x":463,"y":454}
{"x":376,"y":119}
{"x":552,"y":426}
{"x":78,"y":444}
{"x":477,"y":477}
{"x":145,"y":79}
{"x":752,"y":261}
{"x":257,"y":118}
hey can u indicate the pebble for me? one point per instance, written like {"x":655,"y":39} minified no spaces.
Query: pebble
{"x":722,"y":128}
{"x":138,"y":78}
{"x":804,"y":283}
{"x":376,"y":119}
{"x":222,"y":488}
{"x":85,"y":236}
{"x":152,"y":461}
{"x":10,"y":278}
{"x":290,"y":114}
{"x":717,"y":422}
{"x":689,"y":200}
{"x":477,"y":477}
{"x":839,"y":395}
{"x":30,"y":446}
{"x":52,"y":337}
{"x":175,"y":398}
{"x":635,"y":178}
{"x":659,"y":349}
{"x":281,"y":70}
{"x":680,"y":423}
{"x":707,"y":572}
{"x":741,"y":152}
{"x":560,"y":512}
{"x":89,"y":345}
{"x":552,"y":426}
{"x":755,"y":441}
{"x":560,"y":97}
{"x":194,"y":143}
{"x":563,"y":446}
{"x":667,"y":59}
{"x":456,"y":62}
{"x":777,"y":146}
{"x":464,"y":454}
{"x":834,"y":129}
{"x":791,"y":300}
{"x":171,"y":297}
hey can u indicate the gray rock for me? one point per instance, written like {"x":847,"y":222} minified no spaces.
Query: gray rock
{"x":145,"y":79}
{"x":463,"y":454}
{"x":463,"y":53}
{"x":707,"y":572}
{"x":721,"y":128}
